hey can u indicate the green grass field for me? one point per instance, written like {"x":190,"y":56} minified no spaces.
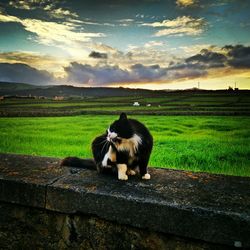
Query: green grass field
{"x":213,"y":144}
{"x":169,"y":103}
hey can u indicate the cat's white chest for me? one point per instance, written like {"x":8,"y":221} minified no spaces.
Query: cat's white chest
{"x":130,"y":145}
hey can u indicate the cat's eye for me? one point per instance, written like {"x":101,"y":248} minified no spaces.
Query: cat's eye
{"x":111,"y":130}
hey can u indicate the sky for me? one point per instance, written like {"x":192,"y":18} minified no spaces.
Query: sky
{"x":155,"y":44}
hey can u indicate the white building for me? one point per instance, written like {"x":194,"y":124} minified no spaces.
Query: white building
{"x":136,"y":104}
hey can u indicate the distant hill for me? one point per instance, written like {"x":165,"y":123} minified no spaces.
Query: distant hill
{"x":15,"y":86}
{"x":49,"y":91}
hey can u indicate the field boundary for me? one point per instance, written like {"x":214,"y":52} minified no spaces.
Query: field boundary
{"x":51,"y":113}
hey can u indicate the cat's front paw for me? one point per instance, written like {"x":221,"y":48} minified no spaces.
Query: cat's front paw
{"x":122,"y":177}
{"x":146,"y":177}
{"x":122,"y":169}
{"x":131,"y":172}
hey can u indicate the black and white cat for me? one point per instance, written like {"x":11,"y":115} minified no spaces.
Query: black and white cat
{"x":125,"y":147}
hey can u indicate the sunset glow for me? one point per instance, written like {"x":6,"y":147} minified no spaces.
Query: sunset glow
{"x":153,"y":44}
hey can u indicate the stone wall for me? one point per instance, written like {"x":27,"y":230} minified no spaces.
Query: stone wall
{"x":45,"y":206}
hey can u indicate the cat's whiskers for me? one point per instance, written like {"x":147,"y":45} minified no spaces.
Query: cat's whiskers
{"x":104,"y":145}
{"x":103,"y":141}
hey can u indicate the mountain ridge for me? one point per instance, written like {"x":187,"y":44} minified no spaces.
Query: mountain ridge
{"x":24,"y":89}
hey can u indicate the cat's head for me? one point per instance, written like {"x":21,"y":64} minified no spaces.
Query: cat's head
{"x":119,"y":129}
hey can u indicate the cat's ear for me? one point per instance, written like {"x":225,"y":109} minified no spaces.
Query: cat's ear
{"x":123,"y":116}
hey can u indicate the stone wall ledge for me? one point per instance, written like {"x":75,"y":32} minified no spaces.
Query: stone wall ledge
{"x":200,"y":206}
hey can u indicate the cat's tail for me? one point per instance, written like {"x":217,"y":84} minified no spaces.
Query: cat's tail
{"x":76,"y":162}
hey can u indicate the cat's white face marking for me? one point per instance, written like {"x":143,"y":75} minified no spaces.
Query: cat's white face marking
{"x":111,"y":135}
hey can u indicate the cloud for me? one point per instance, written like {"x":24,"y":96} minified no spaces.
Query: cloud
{"x":234,"y":56}
{"x":195,"y":49}
{"x":151,"y":44}
{"x":152,"y":52}
{"x":186,"y":3}
{"x":23,"y":73}
{"x":181,"y":31}
{"x":56,"y":33}
{"x":208,"y":58}
{"x":137,"y":66}
{"x":107,"y":75}
{"x":98,"y":55}
{"x":47,"y":5}
{"x":103,"y":48}
{"x":125,"y":22}
{"x":61,"y":35}
{"x":7,"y":18}
{"x":185,"y":70}
{"x":147,"y":73}
{"x":180,"y":26}
{"x":99,"y":75}
{"x":61,"y":13}
{"x":34,"y":59}
{"x":23,"y":4}
{"x":238,"y":56}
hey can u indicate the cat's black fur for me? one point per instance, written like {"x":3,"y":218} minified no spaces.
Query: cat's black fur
{"x":127,"y":129}
{"x":127,"y":140}
{"x":100,"y":147}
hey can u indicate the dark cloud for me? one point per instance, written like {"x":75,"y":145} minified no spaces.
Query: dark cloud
{"x":101,"y":75}
{"x":238,"y":56}
{"x":86,"y":74}
{"x":98,"y":55}
{"x":23,"y":73}
{"x":185,"y":65}
{"x":142,"y":72}
{"x":199,"y":65}
{"x":185,"y":70}
{"x":208,"y":58}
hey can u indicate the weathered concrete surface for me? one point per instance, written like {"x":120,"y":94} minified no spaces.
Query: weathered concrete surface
{"x":211,"y":208}
{"x":24,"y":179}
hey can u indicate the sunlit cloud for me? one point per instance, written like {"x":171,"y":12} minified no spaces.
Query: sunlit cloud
{"x":205,"y":64}
{"x":52,"y":32}
{"x":181,"y":31}
{"x":151,"y":44}
{"x":184,"y":25}
{"x":125,"y":22}
{"x":186,"y":3}
{"x":83,"y":43}
{"x":60,"y":12}
{"x":35,"y":59}
{"x":60,"y":35}
{"x":23,"y":4}
{"x":178,"y":22}
{"x":196,"y":48}
{"x":47,"y":5}
{"x":103,"y":48}
{"x":7,"y":18}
